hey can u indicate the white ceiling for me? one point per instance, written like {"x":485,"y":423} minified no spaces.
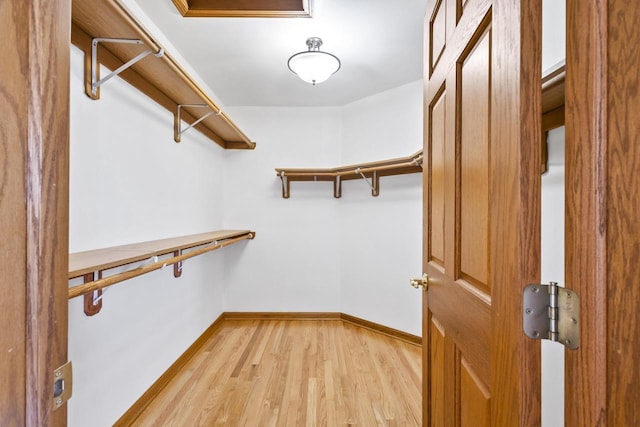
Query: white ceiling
{"x":244,"y":60}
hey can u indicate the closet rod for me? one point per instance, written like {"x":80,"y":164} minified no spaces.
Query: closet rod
{"x":76,"y":291}
{"x":416,"y":162}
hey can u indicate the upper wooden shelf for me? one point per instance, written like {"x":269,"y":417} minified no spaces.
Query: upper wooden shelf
{"x":244,"y":8}
{"x":553,"y":82}
{"x":162,"y":79}
{"x":371,"y":170}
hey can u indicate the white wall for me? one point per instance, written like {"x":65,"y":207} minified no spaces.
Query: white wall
{"x":552,"y":244}
{"x":553,"y":32}
{"x":130,"y":183}
{"x":314,"y":252}
{"x":292,"y":264}
{"x":381,"y":237}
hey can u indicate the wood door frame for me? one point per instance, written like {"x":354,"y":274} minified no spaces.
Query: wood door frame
{"x":34,"y":204}
{"x":602,"y":228}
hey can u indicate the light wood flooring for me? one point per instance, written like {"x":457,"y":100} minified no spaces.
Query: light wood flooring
{"x":294,"y":373}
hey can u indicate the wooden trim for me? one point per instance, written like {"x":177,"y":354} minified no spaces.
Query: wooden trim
{"x":586,"y":209}
{"x":385,"y":330}
{"x":602,"y":235}
{"x":182,"y":6}
{"x":34,"y":203}
{"x":161,"y":79}
{"x":281,"y":315}
{"x":132,"y":414}
{"x":45,"y":67}
{"x":143,"y":401}
{"x":292,"y":315}
{"x":553,"y":89}
{"x":515,"y":207}
{"x":249,"y":9}
{"x":553,"y":119}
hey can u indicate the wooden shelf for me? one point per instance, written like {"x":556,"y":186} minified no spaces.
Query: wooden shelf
{"x":370,"y":171}
{"x":553,"y":97}
{"x":85,"y":264}
{"x":553,"y":82}
{"x":162,"y":79}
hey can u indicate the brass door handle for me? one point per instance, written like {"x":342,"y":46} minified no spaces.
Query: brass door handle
{"x":423,"y":281}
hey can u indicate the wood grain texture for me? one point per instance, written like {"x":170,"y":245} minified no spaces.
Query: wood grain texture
{"x":461,"y":309}
{"x":244,"y":8}
{"x":474,"y":116}
{"x":289,"y":372}
{"x":623,"y":224}
{"x":553,"y":86}
{"x":514,"y":221}
{"x":13,"y":187}
{"x":585,"y":217}
{"x":475,"y":407}
{"x":438,"y":374}
{"x":603,"y":234}
{"x":141,"y":404}
{"x":286,"y":315}
{"x":438,"y":31}
{"x":436,"y":177}
{"x":47,"y":201}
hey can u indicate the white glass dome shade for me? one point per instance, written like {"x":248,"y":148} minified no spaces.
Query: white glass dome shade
{"x":314,"y":66}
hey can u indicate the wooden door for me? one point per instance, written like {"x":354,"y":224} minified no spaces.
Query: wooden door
{"x":34,"y":110}
{"x":481,"y":211}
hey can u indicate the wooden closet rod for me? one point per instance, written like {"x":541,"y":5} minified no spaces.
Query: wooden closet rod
{"x":95,"y":285}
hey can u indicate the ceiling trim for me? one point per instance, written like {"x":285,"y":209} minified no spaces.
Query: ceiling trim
{"x":244,"y":8}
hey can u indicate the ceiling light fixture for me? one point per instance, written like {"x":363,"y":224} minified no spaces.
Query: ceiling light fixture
{"x":314,"y":66}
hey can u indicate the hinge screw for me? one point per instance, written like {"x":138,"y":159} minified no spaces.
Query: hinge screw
{"x":528,"y":311}
{"x":59,"y":402}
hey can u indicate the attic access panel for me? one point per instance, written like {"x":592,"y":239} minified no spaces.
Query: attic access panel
{"x":244,"y":8}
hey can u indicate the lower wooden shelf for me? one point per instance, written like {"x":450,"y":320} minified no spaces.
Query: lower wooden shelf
{"x":87,"y":264}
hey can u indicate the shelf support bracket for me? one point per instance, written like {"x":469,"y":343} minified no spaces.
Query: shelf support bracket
{"x":96,"y":82}
{"x":177,"y":267}
{"x":177,"y":122}
{"x":374,"y":184}
{"x":285,"y":185}
{"x":92,"y":300}
{"x":337,"y":187}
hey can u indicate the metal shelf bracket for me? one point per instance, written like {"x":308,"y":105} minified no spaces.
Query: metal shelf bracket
{"x":337,"y":187}
{"x":285,"y":185}
{"x":374,"y":184}
{"x":177,"y":122}
{"x":95,"y":83}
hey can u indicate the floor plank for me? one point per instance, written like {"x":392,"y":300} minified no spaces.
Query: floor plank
{"x":294,"y":373}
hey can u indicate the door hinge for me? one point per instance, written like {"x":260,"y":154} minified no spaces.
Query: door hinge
{"x":552,"y":312}
{"x":62,"y":385}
